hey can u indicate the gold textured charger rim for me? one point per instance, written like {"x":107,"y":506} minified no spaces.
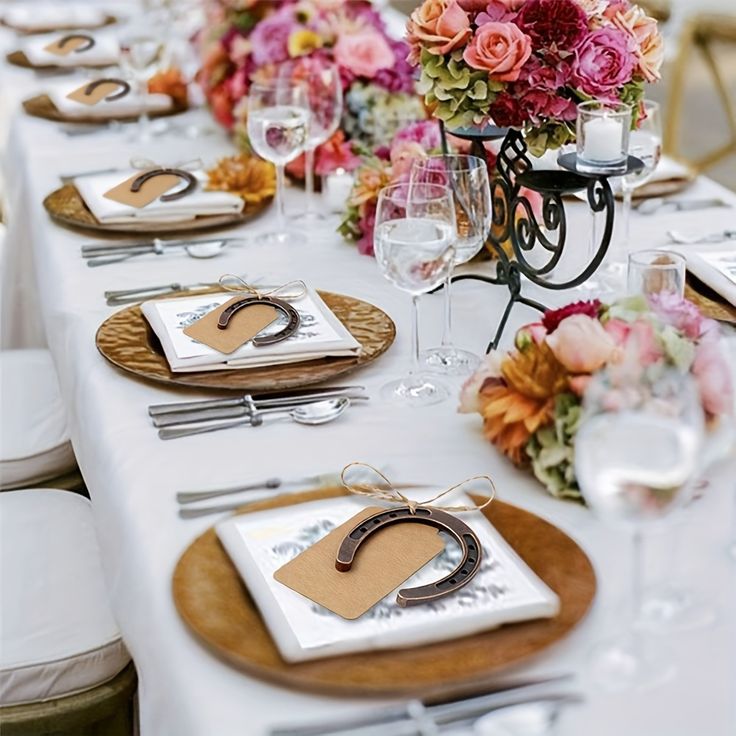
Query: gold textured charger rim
{"x":41,"y":106}
{"x":109,"y":21}
{"x":66,"y":207}
{"x":215,"y":604}
{"x":18,"y":58}
{"x":126,"y":340}
{"x":710,"y":303}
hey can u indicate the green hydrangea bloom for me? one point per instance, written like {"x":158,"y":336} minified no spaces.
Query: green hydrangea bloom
{"x":551,"y":449}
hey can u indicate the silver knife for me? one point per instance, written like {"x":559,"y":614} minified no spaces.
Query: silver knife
{"x":249,"y":399}
{"x":91,"y":250}
{"x":129,"y":296}
{"x":176,"y":418}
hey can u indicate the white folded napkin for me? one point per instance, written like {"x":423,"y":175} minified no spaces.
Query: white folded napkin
{"x":505,"y":590}
{"x":714,"y":265}
{"x":130,"y":105}
{"x":668,"y":169}
{"x":47,"y":16}
{"x":104,"y":52}
{"x":199,"y":202}
{"x":321,"y":334}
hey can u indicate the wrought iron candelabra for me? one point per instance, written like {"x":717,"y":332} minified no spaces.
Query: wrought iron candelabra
{"x":515,"y":222}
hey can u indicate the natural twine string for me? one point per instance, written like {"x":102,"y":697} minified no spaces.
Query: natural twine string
{"x":244,"y":286}
{"x":394,"y":495}
{"x":193,"y":164}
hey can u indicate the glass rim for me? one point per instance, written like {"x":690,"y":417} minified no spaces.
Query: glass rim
{"x":638,"y":257}
{"x":592,"y":107}
{"x":477,"y":161}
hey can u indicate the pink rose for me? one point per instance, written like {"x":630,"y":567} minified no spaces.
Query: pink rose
{"x":364,"y":53}
{"x":682,"y":314}
{"x":439,"y":26}
{"x":488,"y":370}
{"x":403,"y":156}
{"x":532,"y":333}
{"x":642,"y":342}
{"x":713,"y":377}
{"x":501,"y":49}
{"x":581,"y":344}
{"x":603,"y":62}
{"x":618,"y":330}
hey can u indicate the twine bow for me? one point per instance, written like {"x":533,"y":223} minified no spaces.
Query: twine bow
{"x":394,"y":495}
{"x":243,"y":286}
{"x":194,"y":164}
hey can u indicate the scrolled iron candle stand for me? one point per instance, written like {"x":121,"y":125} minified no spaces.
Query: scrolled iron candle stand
{"x":515,"y":222}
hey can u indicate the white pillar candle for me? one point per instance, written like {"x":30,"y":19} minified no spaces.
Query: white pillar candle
{"x":336,"y":189}
{"x":603,"y":137}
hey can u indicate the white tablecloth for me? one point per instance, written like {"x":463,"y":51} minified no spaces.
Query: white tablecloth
{"x":133,"y":477}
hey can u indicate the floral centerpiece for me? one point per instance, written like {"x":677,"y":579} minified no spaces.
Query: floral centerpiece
{"x":531,"y":397}
{"x":380,"y":167}
{"x":246,"y":39}
{"x":525,"y":64}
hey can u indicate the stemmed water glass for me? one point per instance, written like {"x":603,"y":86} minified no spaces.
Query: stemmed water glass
{"x":278,"y":127}
{"x":636,"y":456}
{"x":645,"y":143}
{"x":414,"y":240}
{"x":324,"y":96}
{"x":467,"y":178}
{"x":143,"y":52}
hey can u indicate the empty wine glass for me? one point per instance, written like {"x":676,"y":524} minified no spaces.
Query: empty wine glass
{"x":278,"y":126}
{"x":467,"y":179}
{"x":324,"y":97}
{"x":143,"y":52}
{"x":636,"y":455}
{"x":414,"y":241}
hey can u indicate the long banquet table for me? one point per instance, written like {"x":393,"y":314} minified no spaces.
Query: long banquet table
{"x":51,"y":297}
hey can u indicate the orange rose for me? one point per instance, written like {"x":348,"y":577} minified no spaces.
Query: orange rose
{"x":439,"y":26}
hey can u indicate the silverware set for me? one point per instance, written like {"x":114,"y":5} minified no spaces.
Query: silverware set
{"x":541,"y":701}
{"x":104,"y":254}
{"x":310,"y":407}
{"x":658,"y":204}
{"x":719,"y":237}
{"x":116,"y":298}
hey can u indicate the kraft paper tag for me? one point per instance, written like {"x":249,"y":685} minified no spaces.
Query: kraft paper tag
{"x":70,"y":46}
{"x":97,"y":95}
{"x":381,"y":565}
{"x":150,"y":191}
{"x":243,"y":326}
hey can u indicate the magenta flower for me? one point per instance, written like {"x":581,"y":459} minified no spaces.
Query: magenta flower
{"x":270,"y":37}
{"x":681,"y":314}
{"x":559,"y":25}
{"x":603,"y":62}
{"x":424,"y":132}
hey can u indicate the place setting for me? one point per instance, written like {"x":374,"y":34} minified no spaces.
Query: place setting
{"x":152,"y":198}
{"x":36,"y":18}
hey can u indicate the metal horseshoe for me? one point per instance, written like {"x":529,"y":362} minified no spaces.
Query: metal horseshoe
{"x":189,"y":178}
{"x":71,"y":36}
{"x":124,"y":88}
{"x":284,"y":307}
{"x":458,"y":530}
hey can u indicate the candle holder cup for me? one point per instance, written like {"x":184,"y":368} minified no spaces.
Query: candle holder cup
{"x":516,"y":223}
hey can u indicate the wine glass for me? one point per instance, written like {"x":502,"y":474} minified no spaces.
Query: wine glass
{"x":278,"y":127}
{"x":636,"y":456}
{"x":414,"y":240}
{"x":467,"y":178}
{"x":143,"y":52}
{"x":324,"y":96}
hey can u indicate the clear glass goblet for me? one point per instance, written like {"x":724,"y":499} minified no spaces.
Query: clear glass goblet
{"x":278,"y":127}
{"x":467,"y":178}
{"x":636,"y":456}
{"x":414,"y":240}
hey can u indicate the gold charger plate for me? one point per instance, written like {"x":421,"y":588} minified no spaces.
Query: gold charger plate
{"x":127,"y":341}
{"x":18,"y":58}
{"x":109,"y":20}
{"x":709,"y":302}
{"x":213,"y":601}
{"x":66,"y":206}
{"x":41,"y":106}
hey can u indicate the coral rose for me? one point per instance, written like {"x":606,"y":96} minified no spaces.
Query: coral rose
{"x":364,"y":53}
{"x":501,"y":49}
{"x":581,"y":344}
{"x":439,"y":26}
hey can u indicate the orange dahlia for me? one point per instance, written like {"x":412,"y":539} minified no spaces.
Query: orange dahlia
{"x":521,"y":401}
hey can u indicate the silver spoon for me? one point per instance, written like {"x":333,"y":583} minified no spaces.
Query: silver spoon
{"x":194,"y":250}
{"x":318,"y":412}
{"x":680,"y":239}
